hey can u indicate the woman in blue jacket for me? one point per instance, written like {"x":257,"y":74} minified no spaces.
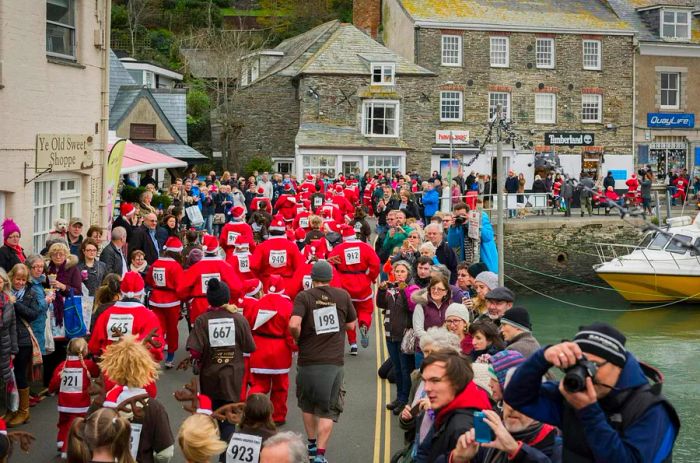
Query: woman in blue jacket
{"x":431,"y":201}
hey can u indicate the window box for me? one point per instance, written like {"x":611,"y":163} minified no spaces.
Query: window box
{"x":544,"y":53}
{"x":591,"y":108}
{"x":451,"y":106}
{"x":499,"y":52}
{"x":592,"y":55}
{"x":545,"y":108}
{"x":380,"y":118}
{"x":451,"y":50}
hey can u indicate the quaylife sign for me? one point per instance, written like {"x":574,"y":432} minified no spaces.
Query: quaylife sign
{"x":63,"y":152}
{"x":671,"y":120}
{"x":459,"y":137}
{"x":569,"y":139}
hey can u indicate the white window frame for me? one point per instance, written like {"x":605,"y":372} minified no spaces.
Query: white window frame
{"x":370,"y":103}
{"x":550,"y":53}
{"x":376,"y":164}
{"x":663,"y":89}
{"x":675,"y":24}
{"x":450,"y":62}
{"x":449,"y":97}
{"x":540,"y":107}
{"x":70,"y":28}
{"x":598,"y":100}
{"x":493,"y":107}
{"x":46,"y":212}
{"x":331,"y":168}
{"x":385,"y":70}
{"x":599,"y":55}
{"x":496,"y":53}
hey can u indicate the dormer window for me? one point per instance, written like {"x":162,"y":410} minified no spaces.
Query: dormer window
{"x":383,"y":73}
{"x":675,"y":25}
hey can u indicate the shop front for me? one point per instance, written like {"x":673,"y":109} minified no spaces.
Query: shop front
{"x":349,"y":161}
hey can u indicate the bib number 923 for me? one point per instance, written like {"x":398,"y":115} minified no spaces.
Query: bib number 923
{"x":243,"y":448}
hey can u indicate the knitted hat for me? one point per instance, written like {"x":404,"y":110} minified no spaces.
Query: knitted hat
{"x":482,"y":377}
{"x":9,"y":227}
{"x":476,"y":269}
{"x":252,"y":287}
{"x":132,"y":285}
{"x":322,"y":271}
{"x":204,"y":404}
{"x":173,"y":244}
{"x":457,"y":310}
{"x":604,"y":341}
{"x":347,"y":232}
{"x":503,"y":361}
{"x":277,"y":224}
{"x":276,"y":285}
{"x":217,"y":293}
{"x":194,"y":256}
{"x":500,"y":293}
{"x":517,"y":317}
{"x":237,"y":212}
{"x":127,"y":209}
{"x":490,"y":279}
{"x":210,"y":245}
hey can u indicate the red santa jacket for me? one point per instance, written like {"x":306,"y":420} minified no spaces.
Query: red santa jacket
{"x":71,"y":379}
{"x":164,"y":277}
{"x":256,"y":200}
{"x":194,"y":281}
{"x":344,"y":205}
{"x":273,"y":341}
{"x":358,"y":266}
{"x":301,"y":280}
{"x":332,"y":210}
{"x":131,"y":317}
{"x":240,"y":262}
{"x":302,"y":220}
{"x":352,"y":193}
{"x":286,"y":206}
{"x":236,"y":232}
{"x":632,"y":184}
{"x":276,"y":255}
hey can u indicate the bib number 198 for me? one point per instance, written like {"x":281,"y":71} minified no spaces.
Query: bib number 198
{"x":326,"y":320}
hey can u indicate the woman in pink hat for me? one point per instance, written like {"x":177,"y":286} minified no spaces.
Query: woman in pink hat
{"x":11,"y":252}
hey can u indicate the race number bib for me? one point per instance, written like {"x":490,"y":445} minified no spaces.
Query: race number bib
{"x":243,"y":448}
{"x":159,"y":277}
{"x":119,"y":323}
{"x":72,"y":380}
{"x":300,"y":210}
{"x":304,"y":222}
{"x":352,"y":255}
{"x":205,"y":279}
{"x":318,"y":201}
{"x":306,"y":282}
{"x":278,"y":258}
{"x":222,"y":332}
{"x":232,"y":237}
{"x":358,"y":227}
{"x":135,"y":439}
{"x":244,"y":264}
{"x":326,"y":320}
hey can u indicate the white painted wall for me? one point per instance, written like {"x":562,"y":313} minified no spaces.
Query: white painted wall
{"x":618,"y":162}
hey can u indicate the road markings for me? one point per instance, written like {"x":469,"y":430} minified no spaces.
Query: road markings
{"x":387,"y":384}
{"x":378,"y":413}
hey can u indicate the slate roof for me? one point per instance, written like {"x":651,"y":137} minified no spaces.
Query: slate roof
{"x":176,"y":150}
{"x":118,"y":76}
{"x":628,"y":11}
{"x":542,"y":15}
{"x":312,"y":134}
{"x":173,"y":102}
{"x":202,"y":64}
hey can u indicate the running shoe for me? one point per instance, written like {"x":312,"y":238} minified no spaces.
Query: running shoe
{"x":353,"y":350}
{"x":312,"y":448}
{"x":364,"y":339}
{"x":320,"y":459}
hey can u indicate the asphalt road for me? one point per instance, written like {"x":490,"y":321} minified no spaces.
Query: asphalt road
{"x":366,"y":431}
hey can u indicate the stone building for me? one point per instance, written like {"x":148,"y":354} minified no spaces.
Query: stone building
{"x":334,"y":100}
{"x":563,"y":72}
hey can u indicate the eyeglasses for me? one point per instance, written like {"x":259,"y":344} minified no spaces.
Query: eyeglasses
{"x":435,"y":289}
{"x":90,"y":250}
{"x":38,"y":267}
{"x":454,"y":321}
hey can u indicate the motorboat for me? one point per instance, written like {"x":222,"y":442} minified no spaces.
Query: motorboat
{"x":659,"y":269}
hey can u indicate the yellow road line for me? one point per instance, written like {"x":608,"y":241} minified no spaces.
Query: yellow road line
{"x":387,"y":415}
{"x":378,"y":414}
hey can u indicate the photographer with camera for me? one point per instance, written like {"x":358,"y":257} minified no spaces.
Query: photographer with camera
{"x":475,"y":245}
{"x":604,"y":406}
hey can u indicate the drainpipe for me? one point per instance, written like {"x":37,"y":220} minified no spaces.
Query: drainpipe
{"x":635,"y":49}
{"x":104,"y":119}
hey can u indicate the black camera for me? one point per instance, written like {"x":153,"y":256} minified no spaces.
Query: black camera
{"x":575,"y":376}
{"x":460,"y":220}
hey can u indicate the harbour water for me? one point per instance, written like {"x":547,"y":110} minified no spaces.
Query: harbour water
{"x":667,"y":338}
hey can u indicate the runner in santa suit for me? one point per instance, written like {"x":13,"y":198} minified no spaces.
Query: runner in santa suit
{"x":367,"y":195}
{"x":272,"y":359}
{"x":127,"y":316}
{"x":164,"y":277}
{"x":352,"y":192}
{"x":329,"y":225}
{"x":248,"y":303}
{"x":277,"y":255}
{"x":308,"y":187}
{"x":240,"y":261}
{"x":236,"y":231}
{"x":358,"y":266}
{"x":301,"y":280}
{"x":302,"y":217}
{"x":194,"y":282}
{"x":681,"y":185}
{"x":261,"y":198}
{"x":286,"y":205}
{"x":343,"y":204}
{"x":331,"y":208}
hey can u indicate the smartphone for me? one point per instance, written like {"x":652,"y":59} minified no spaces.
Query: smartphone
{"x":415,"y":410}
{"x":483,"y":432}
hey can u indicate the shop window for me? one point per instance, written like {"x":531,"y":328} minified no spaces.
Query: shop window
{"x":591,"y":55}
{"x":60,"y":28}
{"x":451,"y":50}
{"x":499,"y":52}
{"x":668,"y":157}
{"x":383,"y":164}
{"x":319,"y":164}
{"x":380,"y":118}
{"x":544,"y":51}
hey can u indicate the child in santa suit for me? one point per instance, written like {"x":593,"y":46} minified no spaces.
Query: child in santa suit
{"x":126,"y":317}
{"x":301,"y":280}
{"x":332,"y":210}
{"x":164,"y":277}
{"x":194,"y":282}
{"x":71,"y":380}
{"x":236,"y":232}
{"x":367,"y":195}
{"x":302,"y":218}
{"x":277,"y":255}
{"x":272,"y":359}
{"x":358,"y":266}
{"x":239,"y":260}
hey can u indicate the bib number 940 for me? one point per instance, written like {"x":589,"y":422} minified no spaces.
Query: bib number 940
{"x":278,"y":258}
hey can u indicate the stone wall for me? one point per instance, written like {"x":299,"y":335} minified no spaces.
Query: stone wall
{"x":563,"y":248}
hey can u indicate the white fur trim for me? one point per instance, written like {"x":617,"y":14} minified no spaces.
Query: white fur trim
{"x":268,"y":371}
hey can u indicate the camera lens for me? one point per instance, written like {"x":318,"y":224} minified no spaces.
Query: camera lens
{"x":575,"y":379}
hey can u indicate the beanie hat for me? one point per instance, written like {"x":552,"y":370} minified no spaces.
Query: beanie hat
{"x":204,"y":405}
{"x":194,"y":256}
{"x":217,"y":293}
{"x":252,"y":287}
{"x":490,"y":279}
{"x":604,"y":341}
{"x":127,"y":209}
{"x":132,"y":285}
{"x":322,"y":271}
{"x":457,"y":310}
{"x":210,"y":245}
{"x":237,"y":212}
{"x":475,"y":269}
{"x":517,"y":317}
{"x":347,"y":232}
{"x":9,"y":227}
{"x":276,"y":285}
{"x":503,"y":361}
{"x":482,"y":377}
{"x":277,"y":224}
{"x":173,"y":244}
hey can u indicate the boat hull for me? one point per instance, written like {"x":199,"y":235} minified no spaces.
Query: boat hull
{"x":651,"y":288}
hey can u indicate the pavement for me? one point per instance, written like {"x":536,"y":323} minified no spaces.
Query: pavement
{"x":365,"y":432}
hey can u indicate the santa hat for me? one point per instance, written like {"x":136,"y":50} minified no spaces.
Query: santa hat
{"x":347,"y":232}
{"x":287,"y":187}
{"x":276,"y":283}
{"x":238,"y":213}
{"x":127,"y":209}
{"x":309,"y":178}
{"x":307,"y":204}
{"x":132,"y":285}
{"x":261,"y":190}
{"x":300,"y":234}
{"x":3,"y":427}
{"x":277,"y":224}
{"x":210,"y":245}
{"x":112,"y":397}
{"x":204,"y":405}
{"x":173,"y":244}
{"x":252,"y":287}
{"x":338,"y":188}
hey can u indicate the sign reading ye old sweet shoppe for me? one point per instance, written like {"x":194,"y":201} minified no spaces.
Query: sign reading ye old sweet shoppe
{"x":63,"y":152}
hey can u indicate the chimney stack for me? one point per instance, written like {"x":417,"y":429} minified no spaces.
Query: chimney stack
{"x":367,"y":15}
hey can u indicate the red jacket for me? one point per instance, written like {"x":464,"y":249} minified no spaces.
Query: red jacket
{"x":131,"y":316}
{"x":333,"y":211}
{"x":236,"y":232}
{"x":301,"y":280}
{"x":302,"y":220}
{"x":632,"y":184}
{"x":240,"y":262}
{"x":194,"y":281}
{"x":71,"y":379}
{"x":273,"y":341}
{"x":276,"y":255}
{"x":358,"y":266}
{"x":286,"y":206}
{"x":164,"y":277}
{"x":256,"y":200}
{"x":344,"y":205}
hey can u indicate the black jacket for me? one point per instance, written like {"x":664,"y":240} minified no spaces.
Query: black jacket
{"x":141,"y":239}
{"x":110,"y":256}
{"x":411,"y":209}
{"x":394,"y":305}
{"x":446,"y":256}
{"x":122,"y":222}
{"x":608,"y":181}
{"x":512,"y":184}
{"x":27,"y":309}
{"x":538,"y":186}
{"x":8,"y":258}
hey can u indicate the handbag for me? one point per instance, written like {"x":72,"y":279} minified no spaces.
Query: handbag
{"x":195,"y":215}
{"x":73,"y":316}
{"x":219,"y":218}
{"x":408,"y":343}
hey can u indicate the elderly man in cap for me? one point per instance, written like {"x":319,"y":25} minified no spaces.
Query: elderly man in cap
{"x":498,"y":300}
{"x":605,"y":406}
{"x":517,"y":331}
{"x":75,"y":237}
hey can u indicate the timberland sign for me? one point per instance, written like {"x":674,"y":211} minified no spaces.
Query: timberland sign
{"x":63,"y":152}
{"x":569,"y":139}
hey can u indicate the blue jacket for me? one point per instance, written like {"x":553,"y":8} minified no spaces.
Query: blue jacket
{"x":35,"y":285}
{"x":431,"y":201}
{"x":649,"y":439}
{"x":487,"y":249}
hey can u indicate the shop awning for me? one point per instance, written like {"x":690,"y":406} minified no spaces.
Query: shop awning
{"x":139,"y":159}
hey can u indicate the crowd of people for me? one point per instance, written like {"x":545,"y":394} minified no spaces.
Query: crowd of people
{"x":265,"y":269}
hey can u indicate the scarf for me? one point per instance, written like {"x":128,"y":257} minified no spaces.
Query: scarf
{"x":18,"y":250}
{"x":19,"y":293}
{"x":139,"y":269}
{"x":530,"y":436}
